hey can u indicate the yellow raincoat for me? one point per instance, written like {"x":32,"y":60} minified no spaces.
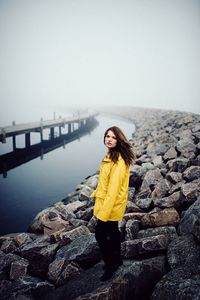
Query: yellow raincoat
{"x":112,"y":190}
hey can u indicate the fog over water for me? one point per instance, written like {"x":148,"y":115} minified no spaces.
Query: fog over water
{"x":75,"y":53}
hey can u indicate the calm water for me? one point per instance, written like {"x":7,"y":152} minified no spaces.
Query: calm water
{"x":39,"y":183}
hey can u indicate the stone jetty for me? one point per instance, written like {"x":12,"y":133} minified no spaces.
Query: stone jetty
{"x":58,"y":257}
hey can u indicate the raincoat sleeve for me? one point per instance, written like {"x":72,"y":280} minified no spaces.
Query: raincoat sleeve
{"x":117,"y":175}
{"x":93,"y":195}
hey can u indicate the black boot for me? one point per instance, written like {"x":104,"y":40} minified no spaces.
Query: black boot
{"x":117,"y":259}
{"x":109,"y":272}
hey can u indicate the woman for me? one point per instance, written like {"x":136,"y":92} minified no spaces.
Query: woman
{"x":111,"y":197}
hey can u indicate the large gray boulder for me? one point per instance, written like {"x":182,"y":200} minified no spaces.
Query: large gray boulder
{"x":145,"y":246}
{"x":40,"y":254}
{"x":83,"y":250}
{"x":191,"y":215}
{"x":24,"y":288}
{"x":183,"y":281}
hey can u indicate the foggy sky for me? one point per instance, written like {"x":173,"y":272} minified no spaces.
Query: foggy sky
{"x":82,"y":52}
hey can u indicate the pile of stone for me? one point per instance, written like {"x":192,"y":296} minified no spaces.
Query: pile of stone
{"x":58,"y":258}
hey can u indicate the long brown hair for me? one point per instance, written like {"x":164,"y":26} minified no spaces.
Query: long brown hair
{"x":123,"y":147}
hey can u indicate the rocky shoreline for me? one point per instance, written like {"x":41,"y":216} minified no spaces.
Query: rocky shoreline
{"x":58,"y":257}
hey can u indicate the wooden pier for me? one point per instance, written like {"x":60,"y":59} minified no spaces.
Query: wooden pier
{"x":17,"y":129}
{"x":20,"y":156}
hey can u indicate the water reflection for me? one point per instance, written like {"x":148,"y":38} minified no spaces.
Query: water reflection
{"x":18,"y":157}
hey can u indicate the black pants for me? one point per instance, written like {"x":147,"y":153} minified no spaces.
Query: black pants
{"x":109,"y":240}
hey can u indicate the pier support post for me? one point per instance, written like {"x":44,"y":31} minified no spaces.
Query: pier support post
{"x":4,"y":170}
{"x":41,"y":130}
{"x":14,"y":142}
{"x":3,"y":135}
{"x":42,"y":154}
{"x":51,"y":133}
{"x":41,"y":135}
{"x":69,"y":128}
{"x":28,"y":139}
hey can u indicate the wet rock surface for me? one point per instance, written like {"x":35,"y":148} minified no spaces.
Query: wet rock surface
{"x":58,"y":257}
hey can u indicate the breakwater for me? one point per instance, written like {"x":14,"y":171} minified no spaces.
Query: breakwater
{"x":58,"y":257}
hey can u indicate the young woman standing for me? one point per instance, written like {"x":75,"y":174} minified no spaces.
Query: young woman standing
{"x":111,"y":198}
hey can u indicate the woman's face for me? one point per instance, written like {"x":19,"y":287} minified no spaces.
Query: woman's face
{"x":110,"y":140}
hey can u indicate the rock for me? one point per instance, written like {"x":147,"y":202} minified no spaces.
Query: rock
{"x":157,"y":148}
{"x":18,"y":268}
{"x":44,"y":217}
{"x":60,"y":270}
{"x":178,"y":254}
{"x":170,"y":201}
{"x":86,"y":214}
{"x":135,"y":216}
{"x":187,"y":222}
{"x":142,"y":159}
{"x":183,"y":281}
{"x":23,"y":287}
{"x":78,"y":222}
{"x":65,"y":211}
{"x":178,"y":283}
{"x":135,"y":179}
{"x":157,"y":161}
{"x":190,"y":192}
{"x":92,"y":181}
{"x":56,"y":268}
{"x":144,"y":204}
{"x":196,"y":128}
{"x":132,"y":207}
{"x":174,"y":177}
{"x":85,"y":192}
{"x":84,"y":250}
{"x":170,"y":154}
{"x":185,"y":134}
{"x":122,"y":228}
{"x":195,"y":161}
{"x":72,"y":270}
{"x":55,"y":226}
{"x":39,"y":254}
{"x":91,"y":224}
{"x":73,"y":207}
{"x":161,"y":188}
{"x":178,"y":165}
{"x":176,"y":187}
{"x":151,"y":178}
{"x":6,"y":260}
{"x":186,"y":146}
{"x":145,"y":167}
{"x":71,"y":197}
{"x":131,"y":193}
{"x":69,"y":236}
{"x":22,"y":238}
{"x":166,"y":230}
{"x":167,"y":216}
{"x":146,"y":245}
{"x":143,"y":194}
{"x":196,"y":229}
{"x":192,"y":173}
{"x":132,"y":228}
{"x":8,"y":246}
